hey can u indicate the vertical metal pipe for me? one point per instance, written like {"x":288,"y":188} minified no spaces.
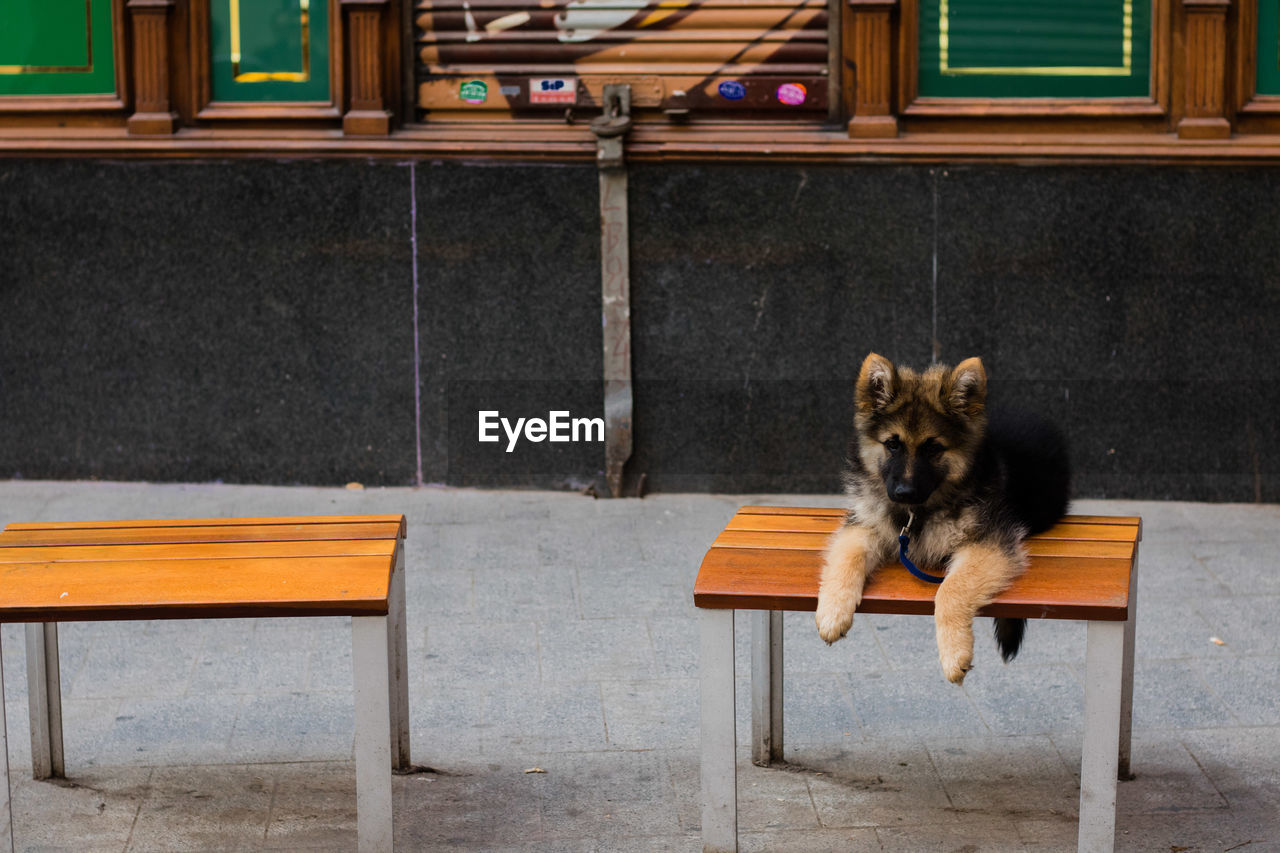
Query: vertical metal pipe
{"x":6,"y":811}
{"x":615,"y":276}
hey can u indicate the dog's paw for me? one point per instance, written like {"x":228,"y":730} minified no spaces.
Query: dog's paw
{"x":834,"y":616}
{"x":956,"y":658}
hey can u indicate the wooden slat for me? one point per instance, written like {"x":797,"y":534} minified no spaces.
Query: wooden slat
{"x":198,"y":551}
{"x":1056,"y":587}
{"x":812,"y":520}
{"x":207,"y":533}
{"x":163,"y":589}
{"x":1037,"y":546}
{"x":833,"y":512}
{"x":209,"y":522}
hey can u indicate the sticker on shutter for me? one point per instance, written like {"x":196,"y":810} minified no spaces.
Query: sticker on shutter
{"x":553,"y":90}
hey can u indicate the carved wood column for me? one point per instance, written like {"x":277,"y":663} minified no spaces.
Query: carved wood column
{"x":1205,"y":70}
{"x":868,"y":34}
{"x":153,"y":113}
{"x":366,"y":114}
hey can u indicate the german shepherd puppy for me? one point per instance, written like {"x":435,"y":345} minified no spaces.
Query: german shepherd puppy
{"x":925,"y":458}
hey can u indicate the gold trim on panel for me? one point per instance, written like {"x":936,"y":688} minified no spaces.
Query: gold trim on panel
{"x":1122,"y":70}
{"x":62,"y":69}
{"x":304,"y":22}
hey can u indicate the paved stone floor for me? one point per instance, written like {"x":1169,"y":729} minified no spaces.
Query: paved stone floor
{"x":555,"y":632}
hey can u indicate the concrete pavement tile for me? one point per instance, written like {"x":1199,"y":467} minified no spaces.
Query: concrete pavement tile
{"x":880,"y":783}
{"x":817,"y":708}
{"x":651,"y":714}
{"x":842,"y":840}
{"x":804,"y":650}
{"x":13,"y":647}
{"x":140,"y":665}
{"x":94,"y":810}
{"x":608,"y":795}
{"x":1025,"y":700}
{"x":1244,"y":567}
{"x":432,"y":591}
{"x":1198,"y":833}
{"x":1246,"y":623}
{"x":239,"y":658}
{"x":1008,"y":778}
{"x":1049,"y":834}
{"x":769,"y":798}
{"x":313,"y":807}
{"x":1167,"y":780}
{"x":1242,"y":765}
{"x":497,"y":653}
{"x":607,"y":590}
{"x":497,"y":810}
{"x":185,"y":730}
{"x":1170,"y":695}
{"x":915,"y":702}
{"x":204,"y":808}
{"x":534,"y":593}
{"x":1249,"y":687}
{"x":982,"y":834}
{"x":87,"y":726}
{"x":294,"y":727}
{"x":328,"y":663}
{"x":1173,"y":628}
{"x":550,"y":717}
{"x":596,"y":650}
{"x":1171,"y":568}
{"x":907,"y":642}
{"x":675,"y":645}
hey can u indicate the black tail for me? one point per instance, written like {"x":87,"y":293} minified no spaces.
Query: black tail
{"x":1009,"y":633}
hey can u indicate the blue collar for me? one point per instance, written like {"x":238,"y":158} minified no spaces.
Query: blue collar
{"x":903,"y":541}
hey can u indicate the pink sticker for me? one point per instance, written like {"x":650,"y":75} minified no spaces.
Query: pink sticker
{"x":792,"y":94}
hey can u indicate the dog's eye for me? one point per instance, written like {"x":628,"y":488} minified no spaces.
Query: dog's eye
{"x":932,"y":447}
{"x":893,"y":445}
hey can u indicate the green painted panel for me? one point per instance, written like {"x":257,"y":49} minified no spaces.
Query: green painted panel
{"x":1035,"y":48}
{"x":1268,"y":47}
{"x":270,"y":50}
{"x":56,"y":47}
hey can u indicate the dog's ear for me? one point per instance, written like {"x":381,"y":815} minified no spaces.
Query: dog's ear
{"x":877,"y":383}
{"x":966,"y":389}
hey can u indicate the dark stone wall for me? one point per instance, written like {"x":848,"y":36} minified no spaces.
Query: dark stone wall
{"x":256,"y":321}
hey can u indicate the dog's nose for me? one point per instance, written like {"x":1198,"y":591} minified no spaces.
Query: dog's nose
{"x":905,"y":493}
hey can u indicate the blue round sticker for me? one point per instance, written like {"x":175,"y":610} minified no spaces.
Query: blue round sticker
{"x":732,"y":90}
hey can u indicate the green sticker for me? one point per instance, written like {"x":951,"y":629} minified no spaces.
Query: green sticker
{"x":473,"y":91}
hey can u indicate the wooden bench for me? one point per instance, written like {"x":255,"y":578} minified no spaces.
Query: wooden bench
{"x":768,"y":559}
{"x":218,"y":568}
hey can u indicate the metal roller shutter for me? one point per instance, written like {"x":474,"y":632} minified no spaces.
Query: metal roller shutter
{"x":766,"y":59}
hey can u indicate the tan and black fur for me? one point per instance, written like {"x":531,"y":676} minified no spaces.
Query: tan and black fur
{"x":923,"y":445}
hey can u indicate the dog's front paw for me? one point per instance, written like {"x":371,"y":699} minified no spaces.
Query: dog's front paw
{"x":835,"y":615}
{"x":955,"y":652}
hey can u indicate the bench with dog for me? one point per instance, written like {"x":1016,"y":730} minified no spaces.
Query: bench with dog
{"x":353,"y":566}
{"x":950,"y":512}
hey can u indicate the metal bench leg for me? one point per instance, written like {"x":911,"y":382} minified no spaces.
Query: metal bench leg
{"x":44,"y":699}
{"x":398,"y":673}
{"x":6,"y":811}
{"x":719,"y":738}
{"x":1104,"y":677}
{"x":766,"y":687}
{"x":1126,"y":685}
{"x":373,"y":733}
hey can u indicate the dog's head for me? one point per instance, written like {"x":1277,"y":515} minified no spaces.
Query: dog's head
{"x":919,"y":431}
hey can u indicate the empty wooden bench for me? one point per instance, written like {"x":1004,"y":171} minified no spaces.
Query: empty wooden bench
{"x":218,"y":568}
{"x":768,"y":559}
